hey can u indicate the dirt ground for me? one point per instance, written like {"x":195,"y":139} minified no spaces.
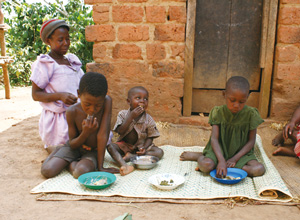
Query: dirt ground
{"x":21,"y":153}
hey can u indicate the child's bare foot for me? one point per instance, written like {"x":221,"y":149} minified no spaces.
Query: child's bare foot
{"x":284,"y":151}
{"x":278,"y":140}
{"x":124,"y":170}
{"x":128,"y":156}
{"x":190,"y":156}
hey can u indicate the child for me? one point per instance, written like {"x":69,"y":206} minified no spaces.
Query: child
{"x":137,"y":129}
{"x":289,"y":131}
{"x":89,"y":128}
{"x":233,"y":134}
{"x":55,"y":79}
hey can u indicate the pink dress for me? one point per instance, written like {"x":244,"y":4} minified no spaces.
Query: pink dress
{"x":47,"y":74}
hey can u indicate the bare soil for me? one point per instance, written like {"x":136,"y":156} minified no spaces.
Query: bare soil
{"x":21,"y":153}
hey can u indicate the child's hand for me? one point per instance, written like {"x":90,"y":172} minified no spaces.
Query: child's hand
{"x":231,"y":163}
{"x":221,"y":169}
{"x":110,"y":170}
{"x":68,"y":98}
{"x":141,"y":151}
{"x":288,"y":130}
{"x":90,"y":125}
{"x":137,"y":111}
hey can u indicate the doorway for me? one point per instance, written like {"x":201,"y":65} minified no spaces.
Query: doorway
{"x":230,"y":37}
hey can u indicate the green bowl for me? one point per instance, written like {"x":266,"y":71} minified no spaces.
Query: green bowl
{"x":90,"y":179}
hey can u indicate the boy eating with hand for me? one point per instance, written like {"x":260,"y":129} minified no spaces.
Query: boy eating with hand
{"x":137,"y":129}
{"x":89,"y":129}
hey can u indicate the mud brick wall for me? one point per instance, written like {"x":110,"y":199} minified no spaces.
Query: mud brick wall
{"x":141,"y":42}
{"x":285,"y":96}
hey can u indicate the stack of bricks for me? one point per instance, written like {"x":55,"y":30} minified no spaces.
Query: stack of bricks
{"x":141,"y":43}
{"x":286,"y":79}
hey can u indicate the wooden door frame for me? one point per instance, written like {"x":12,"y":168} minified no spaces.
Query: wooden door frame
{"x":269,"y":17}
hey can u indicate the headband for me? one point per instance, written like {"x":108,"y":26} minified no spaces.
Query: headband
{"x":49,"y":26}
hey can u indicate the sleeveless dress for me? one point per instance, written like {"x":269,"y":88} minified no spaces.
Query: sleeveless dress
{"x":233,"y":132}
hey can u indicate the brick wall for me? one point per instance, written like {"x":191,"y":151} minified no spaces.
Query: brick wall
{"x":141,"y":42}
{"x":285,"y":96}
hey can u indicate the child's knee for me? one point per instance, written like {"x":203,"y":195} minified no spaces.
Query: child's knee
{"x":48,"y":171}
{"x":160,"y":153}
{"x":83,"y":168}
{"x":257,"y":170}
{"x":110,"y":148}
{"x":206,"y":165}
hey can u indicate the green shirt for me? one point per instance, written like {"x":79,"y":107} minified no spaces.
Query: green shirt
{"x":233,"y":132}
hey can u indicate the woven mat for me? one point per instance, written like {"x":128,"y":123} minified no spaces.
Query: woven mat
{"x":269,"y":188}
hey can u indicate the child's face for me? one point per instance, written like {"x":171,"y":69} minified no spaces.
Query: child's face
{"x":91,"y":105}
{"x":59,"y":41}
{"x":236,"y":99}
{"x":138,"y":98}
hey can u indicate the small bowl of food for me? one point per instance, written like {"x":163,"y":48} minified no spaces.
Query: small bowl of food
{"x":234,"y":175}
{"x":97,"y":180}
{"x":144,"y":162}
{"x":166,"y":181}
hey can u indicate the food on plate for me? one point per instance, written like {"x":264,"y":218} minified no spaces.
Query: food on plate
{"x":99,"y":182}
{"x":166,"y":182}
{"x":144,"y":161}
{"x":231,"y":178}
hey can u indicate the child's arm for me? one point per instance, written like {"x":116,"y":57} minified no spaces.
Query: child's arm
{"x":289,"y":128}
{"x":39,"y":94}
{"x":221,"y":167}
{"x":103,"y":134}
{"x":121,"y":129}
{"x":89,"y":126}
{"x":248,"y":146}
{"x":143,"y":148}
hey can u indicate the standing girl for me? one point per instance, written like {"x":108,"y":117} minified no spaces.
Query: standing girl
{"x":55,"y":80}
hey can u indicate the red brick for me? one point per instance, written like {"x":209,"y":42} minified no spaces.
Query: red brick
{"x":99,"y":51}
{"x":127,"y":14}
{"x":100,"y":33}
{"x":289,"y":15}
{"x":170,"y":32}
{"x":177,"y":50}
{"x":156,"y":14}
{"x":132,"y":71}
{"x":171,"y":69}
{"x":132,"y":33}
{"x":93,"y":2}
{"x":290,"y":71}
{"x":177,"y":13}
{"x":174,"y":0}
{"x":290,"y":1}
{"x":156,"y":51}
{"x":104,"y":68}
{"x":100,"y":14}
{"x":288,"y":34}
{"x":127,"y":51}
{"x":287,"y":53}
{"x":135,"y":1}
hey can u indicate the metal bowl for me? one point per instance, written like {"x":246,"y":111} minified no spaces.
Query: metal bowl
{"x":144,"y":162}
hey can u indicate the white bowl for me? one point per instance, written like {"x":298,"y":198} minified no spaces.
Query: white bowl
{"x":173,"y":180}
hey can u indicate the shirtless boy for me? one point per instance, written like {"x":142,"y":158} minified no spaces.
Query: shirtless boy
{"x":137,"y":129}
{"x":89,"y":128}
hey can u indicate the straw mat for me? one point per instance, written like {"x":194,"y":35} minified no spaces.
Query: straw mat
{"x":267,"y":188}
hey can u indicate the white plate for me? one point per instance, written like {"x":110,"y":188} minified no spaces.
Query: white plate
{"x":157,"y":178}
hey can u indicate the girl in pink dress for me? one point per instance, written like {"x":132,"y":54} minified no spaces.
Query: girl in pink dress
{"x":55,"y":80}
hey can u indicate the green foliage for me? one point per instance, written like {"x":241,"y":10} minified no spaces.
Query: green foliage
{"x":23,"y":42}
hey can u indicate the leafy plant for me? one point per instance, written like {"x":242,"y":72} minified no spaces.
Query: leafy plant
{"x":23,"y":42}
